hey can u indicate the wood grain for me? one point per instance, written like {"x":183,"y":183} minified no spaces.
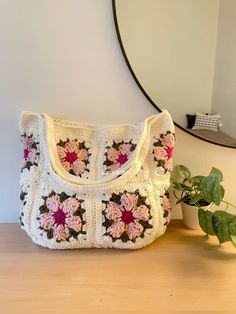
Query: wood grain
{"x":181,"y":271}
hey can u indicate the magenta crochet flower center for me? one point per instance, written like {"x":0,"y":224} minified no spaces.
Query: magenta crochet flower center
{"x":74,"y":156}
{"x":163,"y":151}
{"x":117,"y":155}
{"x":26,"y":153}
{"x":126,"y":216}
{"x":62,"y":217}
{"x":30,"y":151}
{"x":166,"y":204}
{"x":71,"y":157}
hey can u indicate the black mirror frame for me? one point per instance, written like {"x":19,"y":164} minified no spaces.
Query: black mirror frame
{"x":140,"y":85}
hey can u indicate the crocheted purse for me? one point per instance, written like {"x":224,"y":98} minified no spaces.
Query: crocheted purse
{"x":86,"y":185}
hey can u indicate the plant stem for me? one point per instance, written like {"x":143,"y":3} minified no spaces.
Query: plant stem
{"x":228,"y":203}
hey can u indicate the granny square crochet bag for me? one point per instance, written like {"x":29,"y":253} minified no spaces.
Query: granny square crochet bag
{"x":86,"y":185}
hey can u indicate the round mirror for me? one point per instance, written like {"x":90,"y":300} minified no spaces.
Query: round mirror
{"x":181,"y":54}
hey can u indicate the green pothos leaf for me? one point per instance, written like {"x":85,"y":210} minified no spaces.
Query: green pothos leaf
{"x":216,"y":172}
{"x":210,"y":187}
{"x":222,"y":191}
{"x":224,"y":216}
{"x":232,"y":227}
{"x":180,"y":172}
{"x":233,"y":239}
{"x":196,"y":179}
{"x":205,"y":221}
{"x":221,"y":229}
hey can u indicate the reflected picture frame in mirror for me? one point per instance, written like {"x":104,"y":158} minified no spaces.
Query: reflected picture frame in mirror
{"x":217,"y":138}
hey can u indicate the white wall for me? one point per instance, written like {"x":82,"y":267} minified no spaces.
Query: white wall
{"x":224,"y":92}
{"x":171,"y":47}
{"x":62,"y":57}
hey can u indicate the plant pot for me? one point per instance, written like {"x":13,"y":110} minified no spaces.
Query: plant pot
{"x":190,"y":215}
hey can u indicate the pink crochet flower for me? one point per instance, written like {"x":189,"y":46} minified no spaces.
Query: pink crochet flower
{"x":118,"y":154}
{"x":160,"y":153}
{"x":31,"y":152}
{"x":73,"y":156}
{"x":165,"y":202}
{"x":163,"y":151}
{"x":61,"y":216}
{"x":168,"y":140}
{"x":126,"y":216}
{"x":168,"y":164}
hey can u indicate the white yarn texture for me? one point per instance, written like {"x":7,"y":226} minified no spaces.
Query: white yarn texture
{"x":88,"y":185}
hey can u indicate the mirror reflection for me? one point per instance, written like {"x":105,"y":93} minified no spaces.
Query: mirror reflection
{"x":183,"y":52}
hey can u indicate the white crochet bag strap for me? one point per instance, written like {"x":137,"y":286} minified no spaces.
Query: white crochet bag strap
{"x":30,"y":121}
{"x":47,"y":139}
{"x":131,"y":167}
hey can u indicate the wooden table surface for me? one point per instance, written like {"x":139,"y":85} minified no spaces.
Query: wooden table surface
{"x":181,"y":271}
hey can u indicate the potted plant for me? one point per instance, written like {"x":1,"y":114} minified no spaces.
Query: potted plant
{"x":197,"y":194}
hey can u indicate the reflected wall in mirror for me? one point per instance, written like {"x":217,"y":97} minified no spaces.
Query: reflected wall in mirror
{"x":183,"y":54}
